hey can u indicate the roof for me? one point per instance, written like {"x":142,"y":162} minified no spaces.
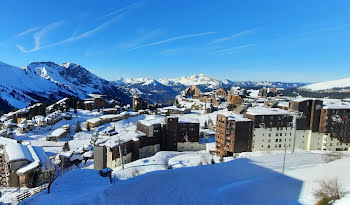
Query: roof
{"x":17,"y":152}
{"x":94,"y":120}
{"x":336,"y":105}
{"x":188,"y":120}
{"x":58,"y":132}
{"x":266,"y":111}
{"x":5,"y":141}
{"x":152,"y":121}
{"x":126,"y":136}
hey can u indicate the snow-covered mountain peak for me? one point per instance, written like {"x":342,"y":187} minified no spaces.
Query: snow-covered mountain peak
{"x":70,"y":65}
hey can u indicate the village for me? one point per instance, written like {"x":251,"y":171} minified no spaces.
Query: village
{"x":40,"y":143}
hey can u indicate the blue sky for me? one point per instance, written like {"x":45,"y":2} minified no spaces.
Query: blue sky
{"x":300,"y":41}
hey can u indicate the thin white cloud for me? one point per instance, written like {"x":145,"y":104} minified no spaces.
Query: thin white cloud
{"x":86,"y":34}
{"x":228,"y":50}
{"x":27,"y":31}
{"x":174,"y":39}
{"x":38,"y":35}
{"x":117,"y":11}
{"x":236,"y":35}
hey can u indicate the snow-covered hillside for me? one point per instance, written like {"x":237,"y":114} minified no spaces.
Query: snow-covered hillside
{"x":49,"y":81}
{"x":251,"y":178}
{"x":342,"y":85}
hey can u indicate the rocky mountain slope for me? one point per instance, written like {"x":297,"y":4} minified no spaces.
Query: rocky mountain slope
{"x":47,"y":81}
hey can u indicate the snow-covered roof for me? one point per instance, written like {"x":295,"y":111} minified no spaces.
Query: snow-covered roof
{"x":126,"y":136}
{"x":266,"y":111}
{"x":5,"y":141}
{"x":236,"y":117}
{"x":58,"y":132}
{"x":188,"y":120}
{"x":34,"y":164}
{"x":17,"y":152}
{"x":152,"y":121}
{"x":336,"y":105}
{"x":94,"y":120}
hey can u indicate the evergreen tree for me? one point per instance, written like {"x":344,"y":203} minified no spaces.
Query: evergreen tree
{"x":75,"y":110}
{"x":65,"y":147}
{"x":78,"y":127}
{"x":14,"y":119}
{"x":205,"y":124}
{"x":88,"y":126}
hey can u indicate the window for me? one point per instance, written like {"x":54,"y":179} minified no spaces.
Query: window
{"x":268,"y":146}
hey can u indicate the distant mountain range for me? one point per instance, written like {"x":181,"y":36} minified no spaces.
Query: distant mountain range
{"x":48,"y":81}
{"x":165,"y":90}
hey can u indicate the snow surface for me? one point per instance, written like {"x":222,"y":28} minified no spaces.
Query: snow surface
{"x":342,"y":83}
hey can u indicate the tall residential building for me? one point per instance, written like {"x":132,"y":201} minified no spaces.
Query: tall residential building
{"x":233,"y":134}
{"x":272,"y":128}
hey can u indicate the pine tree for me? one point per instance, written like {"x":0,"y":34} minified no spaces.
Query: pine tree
{"x":65,"y":147}
{"x":75,"y":110}
{"x":14,"y":119}
{"x":78,"y":127}
{"x":88,"y":127}
{"x":205,"y":124}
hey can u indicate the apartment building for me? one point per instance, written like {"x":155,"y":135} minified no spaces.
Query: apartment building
{"x":234,"y":134}
{"x":325,"y":124}
{"x":272,"y":128}
{"x":151,"y":136}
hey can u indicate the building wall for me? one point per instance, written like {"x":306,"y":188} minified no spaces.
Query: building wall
{"x":100,"y":157}
{"x":190,"y":146}
{"x":148,"y":151}
{"x":233,"y":136}
{"x":267,"y":139}
{"x":339,"y":130}
{"x":269,"y":121}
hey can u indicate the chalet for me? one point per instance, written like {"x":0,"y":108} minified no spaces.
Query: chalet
{"x":40,"y":121}
{"x":54,"y":117}
{"x":108,"y":111}
{"x":173,"y":110}
{"x":59,"y":133}
{"x":24,"y":165}
{"x":94,"y":122}
{"x":96,"y":102}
